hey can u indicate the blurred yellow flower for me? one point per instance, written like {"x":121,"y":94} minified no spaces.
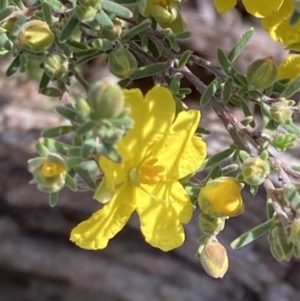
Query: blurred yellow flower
{"x":289,"y":67}
{"x":257,"y":8}
{"x":221,"y":197}
{"x":157,"y":152}
{"x":279,"y":27}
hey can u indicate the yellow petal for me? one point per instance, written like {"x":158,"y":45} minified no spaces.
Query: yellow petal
{"x":289,"y":67}
{"x":180,"y":152}
{"x":262,"y":8}
{"x":161,"y":212}
{"x":152,"y":115}
{"x":104,"y":224}
{"x":224,"y":6}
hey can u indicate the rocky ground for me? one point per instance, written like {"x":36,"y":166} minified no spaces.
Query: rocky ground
{"x":38,"y":263}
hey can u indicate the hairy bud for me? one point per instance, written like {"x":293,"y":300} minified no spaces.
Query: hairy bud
{"x":281,"y":112}
{"x":210,"y":225}
{"x":56,"y":66}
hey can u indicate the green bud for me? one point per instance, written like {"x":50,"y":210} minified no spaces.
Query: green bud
{"x":93,"y":3}
{"x":85,"y":14}
{"x":210,"y":225}
{"x":255,"y":170}
{"x":56,"y":66}
{"x":106,"y":99}
{"x":121,"y":62}
{"x":114,"y":33}
{"x":35,"y":36}
{"x":214,"y":259}
{"x":165,"y":11}
{"x":281,"y":112}
{"x":283,"y":141}
{"x":261,"y":74}
{"x":281,"y":249}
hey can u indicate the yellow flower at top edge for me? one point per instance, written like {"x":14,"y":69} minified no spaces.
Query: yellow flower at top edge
{"x":157,"y":152}
{"x":221,"y":197}
{"x":257,"y":8}
{"x":289,"y":67}
{"x":279,"y":27}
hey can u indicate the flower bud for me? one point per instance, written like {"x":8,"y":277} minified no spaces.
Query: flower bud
{"x":121,"y":62}
{"x":214,"y":259}
{"x":261,"y":73}
{"x":164,"y":11}
{"x":35,"y":36}
{"x":85,"y":14}
{"x":294,"y":229}
{"x":106,"y":99}
{"x":114,"y":33}
{"x":281,"y":249}
{"x":255,"y":170}
{"x":281,"y":112}
{"x":221,"y":197}
{"x":49,"y":173}
{"x":56,"y":66}
{"x":9,"y":24}
{"x":210,"y":225}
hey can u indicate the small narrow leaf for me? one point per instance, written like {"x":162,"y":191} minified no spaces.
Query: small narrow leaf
{"x":104,"y":20}
{"x":71,"y":183}
{"x":13,"y":66}
{"x":116,"y":9}
{"x":292,"y":128}
{"x":209,"y":92}
{"x":217,"y":158}
{"x":240,"y":45}
{"x":291,"y":89}
{"x":53,"y":199}
{"x":68,"y":29}
{"x":41,"y":149}
{"x":6,"y":12}
{"x":184,"y":59}
{"x":247,"y":112}
{"x":85,"y":176}
{"x":57,"y":131}
{"x":68,"y":113}
{"x":149,"y":70}
{"x":226,"y":92}
{"x":46,"y":8}
{"x":88,"y":147}
{"x":134,"y":31}
{"x":253,"y":234}
{"x":85,"y":127}
{"x":56,"y":146}
{"x":225,"y":63}
{"x":44,"y":81}
{"x":51,"y":92}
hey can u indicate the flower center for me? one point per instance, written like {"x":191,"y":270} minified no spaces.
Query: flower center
{"x":163,"y":3}
{"x":51,"y":169}
{"x":148,"y":173}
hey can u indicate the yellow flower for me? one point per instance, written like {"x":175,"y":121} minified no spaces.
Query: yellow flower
{"x":289,"y":67}
{"x":278,"y":25}
{"x":221,"y":197}
{"x":157,"y":152}
{"x":257,"y":8}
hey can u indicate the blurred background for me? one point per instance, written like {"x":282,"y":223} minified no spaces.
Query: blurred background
{"x":37,"y":261}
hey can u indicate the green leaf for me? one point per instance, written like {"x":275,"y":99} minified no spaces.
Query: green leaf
{"x":68,"y":29}
{"x":68,"y":113}
{"x":57,"y":131}
{"x":247,"y":112}
{"x":279,"y":87}
{"x":44,"y":81}
{"x":216,"y":158}
{"x":254,"y":189}
{"x":3,"y":4}
{"x":229,"y":169}
{"x":253,"y":234}
{"x":16,"y":63}
{"x":183,"y":35}
{"x":85,"y":176}
{"x":153,"y":48}
{"x":6,"y":12}
{"x":19,"y":3}
{"x":226,"y":92}
{"x":21,"y":20}
{"x":88,"y":147}
{"x":175,"y":82}
{"x":291,"y":89}
{"x":240,"y":45}
{"x":292,"y":195}
{"x":133,"y":31}
{"x":123,"y":83}
{"x":110,"y":152}
{"x":116,"y":9}
{"x":85,"y":53}
{"x":57,"y":6}
{"x":87,"y":58}
{"x":51,"y":92}
{"x":243,"y":155}
{"x":184,"y":59}
{"x":41,"y":149}
{"x":23,"y":62}
{"x":104,"y":20}
{"x":71,"y":183}
{"x":149,"y":70}
{"x":225,"y":63}
{"x":85,"y":127}
{"x":46,"y":8}
{"x":266,"y":112}
{"x":210,"y":91}
{"x":53,"y":199}
{"x":56,"y":146}
{"x":292,"y":128}
{"x":75,"y":151}
{"x":270,"y":208}
{"x":73,"y":161}
{"x":216,"y":172}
